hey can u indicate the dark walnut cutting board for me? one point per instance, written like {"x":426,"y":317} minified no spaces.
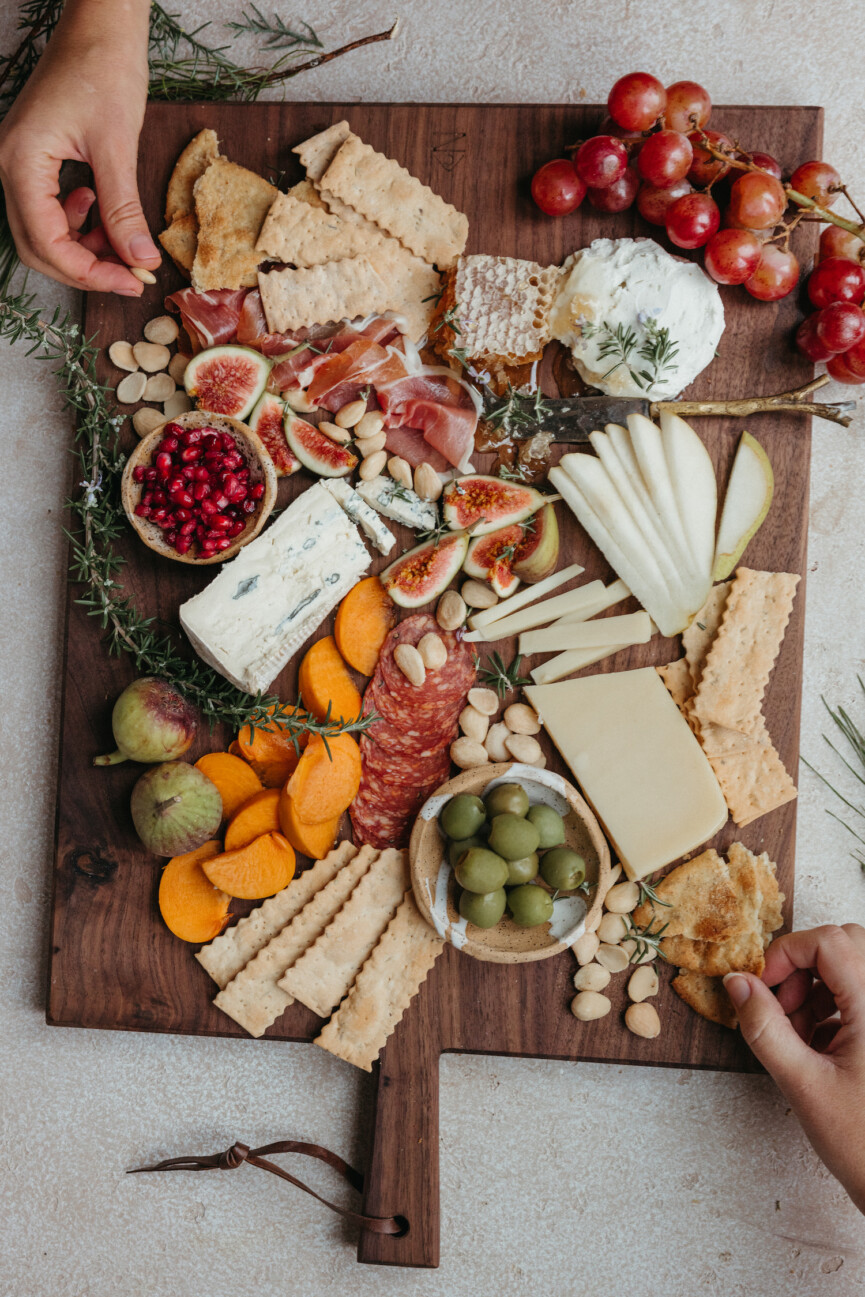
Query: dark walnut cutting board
{"x":113,"y":963}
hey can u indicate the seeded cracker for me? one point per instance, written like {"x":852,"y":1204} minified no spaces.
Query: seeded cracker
{"x":231,"y":204}
{"x":338,"y":290}
{"x":384,"y":192}
{"x":385,"y":986}
{"x":224,"y":957}
{"x":304,"y":235}
{"x":253,"y":997}
{"x":326,"y":970}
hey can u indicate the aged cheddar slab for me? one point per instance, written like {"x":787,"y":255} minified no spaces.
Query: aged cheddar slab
{"x":637,"y":762}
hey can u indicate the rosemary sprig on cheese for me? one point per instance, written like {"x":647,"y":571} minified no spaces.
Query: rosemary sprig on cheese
{"x":621,"y":344}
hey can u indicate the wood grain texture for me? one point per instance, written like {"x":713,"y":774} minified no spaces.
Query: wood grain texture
{"x":113,"y":963}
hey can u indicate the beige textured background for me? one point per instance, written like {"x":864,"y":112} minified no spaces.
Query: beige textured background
{"x":664,"y":1184}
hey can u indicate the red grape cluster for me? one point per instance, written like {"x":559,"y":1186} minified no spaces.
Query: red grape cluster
{"x":655,"y":149}
{"x":836,"y":287}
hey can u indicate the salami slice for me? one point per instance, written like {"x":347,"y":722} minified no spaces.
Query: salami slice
{"x":407,"y":726}
{"x":451,"y":681}
{"x":398,"y":767}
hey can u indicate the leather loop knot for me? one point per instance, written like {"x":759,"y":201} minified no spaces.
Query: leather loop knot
{"x":234,"y":1156}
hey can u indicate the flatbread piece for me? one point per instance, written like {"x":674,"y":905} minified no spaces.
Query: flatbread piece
{"x":201,"y":150}
{"x":231,"y":204}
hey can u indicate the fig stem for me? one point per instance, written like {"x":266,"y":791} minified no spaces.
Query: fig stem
{"x":111,"y":759}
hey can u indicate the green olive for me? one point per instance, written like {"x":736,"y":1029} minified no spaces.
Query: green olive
{"x":483,"y":909}
{"x":462,"y":816}
{"x":507,"y":799}
{"x":481,"y":871}
{"x":530,"y":905}
{"x":549,"y":824}
{"x":523,"y":870}
{"x":459,"y":848}
{"x":563,"y":869}
{"x":513,"y":837}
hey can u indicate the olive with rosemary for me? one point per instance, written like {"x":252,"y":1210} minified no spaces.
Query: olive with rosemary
{"x":549,"y":825}
{"x":484,"y":909}
{"x":507,"y":799}
{"x":481,"y":870}
{"x":562,"y":869}
{"x":462,"y":816}
{"x":530,"y":905}
{"x":513,"y":837}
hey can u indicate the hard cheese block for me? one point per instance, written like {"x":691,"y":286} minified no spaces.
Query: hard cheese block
{"x":637,"y":762}
{"x":266,"y":602}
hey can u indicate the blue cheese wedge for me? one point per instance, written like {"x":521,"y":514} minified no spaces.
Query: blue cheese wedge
{"x":399,"y":503}
{"x":360,"y":512}
{"x":267,"y":601}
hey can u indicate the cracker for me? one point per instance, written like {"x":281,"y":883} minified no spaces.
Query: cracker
{"x":413,"y":286}
{"x":770,"y":916}
{"x":224,"y":957}
{"x":338,"y":290}
{"x":326,"y":970}
{"x":384,"y":192}
{"x":180,"y":241}
{"x":752,"y":775}
{"x":742,"y":954}
{"x":231,"y":204}
{"x":706,"y":996}
{"x":201,"y":150}
{"x":703,"y":899}
{"x":305,"y":192}
{"x":697,"y":638}
{"x":503,"y":307}
{"x":740,"y":660}
{"x":298,"y":233}
{"x":677,"y":678}
{"x":385,"y":986}
{"x":253,"y":997}
{"x":317,"y":153}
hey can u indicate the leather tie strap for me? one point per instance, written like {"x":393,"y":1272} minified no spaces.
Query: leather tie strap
{"x":240,"y":1153}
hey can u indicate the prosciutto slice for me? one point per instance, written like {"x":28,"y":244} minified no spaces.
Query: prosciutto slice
{"x":440,"y":407}
{"x":410,"y":445}
{"x":252,"y":329}
{"x":364,"y":363}
{"x":209,"y":318}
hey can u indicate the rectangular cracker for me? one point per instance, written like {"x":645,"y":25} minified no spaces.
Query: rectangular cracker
{"x":677,"y":677}
{"x":502,"y":307}
{"x":385,"y":986}
{"x":697,"y":638}
{"x":294,"y":231}
{"x":225,"y":956}
{"x":752,"y":775}
{"x":317,"y":153}
{"x":253,"y":997}
{"x":740,"y":660}
{"x":338,"y":290}
{"x":413,"y":286}
{"x":324,"y":974}
{"x":384,"y":192}
{"x":231,"y":204}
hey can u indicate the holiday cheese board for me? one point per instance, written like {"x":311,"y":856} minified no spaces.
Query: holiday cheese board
{"x":398,"y":562}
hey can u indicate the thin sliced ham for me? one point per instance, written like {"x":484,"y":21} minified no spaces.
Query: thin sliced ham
{"x":364,"y":363}
{"x":252,"y":329}
{"x":209,"y":318}
{"x":410,"y":445}
{"x":437,"y":405}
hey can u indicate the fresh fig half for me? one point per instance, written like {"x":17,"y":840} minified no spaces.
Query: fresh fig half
{"x":538,"y":552}
{"x":227,"y":380}
{"x":268,"y":420}
{"x":490,"y":558}
{"x":423,"y":573}
{"x":482,"y":504}
{"x":315,"y":451}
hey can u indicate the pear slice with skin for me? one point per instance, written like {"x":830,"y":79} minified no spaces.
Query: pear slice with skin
{"x":746,"y":503}
{"x":695,"y":487}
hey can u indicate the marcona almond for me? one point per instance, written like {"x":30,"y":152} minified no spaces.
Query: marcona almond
{"x":612,"y":929}
{"x":159,"y":387}
{"x":451,"y":610}
{"x":162,"y":329}
{"x":477,"y":595}
{"x":177,"y":404}
{"x":145,"y":420}
{"x":495,"y":742}
{"x":433,"y":650}
{"x":615,"y":874}
{"x":410,"y":663}
{"x":335,"y":433}
{"x":151,"y":356}
{"x":120,"y":355}
{"x":592,"y":977}
{"x":622,"y":898}
{"x":400,"y":470}
{"x":643,"y":1020}
{"x":350,"y":414}
{"x":522,"y":719}
{"x":589,"y":1005}
{"x":586,"y":947}
{"x":427,"y":482}
{"x":612,"y":957}
{"x":484,"y":700}
{"x":370,"y":425}
{"x":143,"y":275}
{"x":131,"y":388}
{"x":177,"y":366}
{"x":466,"y":753}
{"x":474,"y":724}
{"x":643,"y":983}
{"x":372,"y":466}
{"x":523,"y":747}
{"x":372,"y":446}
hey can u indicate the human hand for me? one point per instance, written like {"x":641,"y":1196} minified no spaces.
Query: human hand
{"x":810,"y":1037}
{"x":85,"y":101}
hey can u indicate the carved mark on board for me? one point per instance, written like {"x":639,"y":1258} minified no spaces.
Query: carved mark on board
{"x":448,"y":149}
{"x":90,"y":863}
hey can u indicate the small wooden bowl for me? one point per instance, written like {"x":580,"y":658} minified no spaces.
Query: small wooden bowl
{"x":257,"y":460}
{"x":435,"y":888}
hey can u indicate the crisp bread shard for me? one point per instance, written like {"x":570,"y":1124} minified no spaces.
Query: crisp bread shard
{"x":253,"y":997}
{"x":384,"y":192}
{"x":180,"y":237}
{"x":385,"y":986}
{"x":502,"y":308}
{"x":323,"y":975}
{"x":338,"y":290}
{"x":706,"y":996}
{"x":232,"y":950}
{"x":231,"y":204}
{"x":297,"y":233}
{"x":677,"y":677}
{"x":317,"y":153}
{"x":180,"y":241}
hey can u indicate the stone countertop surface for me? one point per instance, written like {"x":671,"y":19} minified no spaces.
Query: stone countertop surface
{"x":663,"y":1183}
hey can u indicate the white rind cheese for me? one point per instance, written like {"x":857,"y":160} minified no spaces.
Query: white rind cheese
{"x":268,"y":600}
{"x":638,"y":285}
{"x":360,"y":512}
{"x":397,"y":502}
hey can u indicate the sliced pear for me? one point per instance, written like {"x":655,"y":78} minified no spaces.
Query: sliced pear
{"x":649,"y":450}
{"x":749,"y":495}
{"x":695,"y":486}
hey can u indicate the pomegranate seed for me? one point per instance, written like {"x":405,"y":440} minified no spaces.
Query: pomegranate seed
{"x":243,"y":474}
{"x":220,"y":500}
{"x":150,"y":475}
{"x":219,"y":523}
{"x":200,"y":474}
{"x":248,"y":506}
{"x":229,"y":485}
{"x":201,"y":491}
{"x":192,"y":435}
{"x":173,"y":429}
{"x":138,"y":474}
{"x":159,"y":497}
{"x":257,"y":491}
{"x":185,"y":499}
{"x":147,"y":497}
{"x":142,"y":510}
{"x":175,"y":483}
{"x":169,"y":443}
{"x":224,"y":543}
{"x":236,"y":528}
{"x":163,"y":462}
{"x":159,"y":515}
{"x":208,"y":508}
{"x":226,"y":441}
{"x":182,"y":544}
{"x":190,"y":454}
{"x":182,"y":515}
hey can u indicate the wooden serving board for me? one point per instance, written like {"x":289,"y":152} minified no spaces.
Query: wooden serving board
{"x":113,"y":963}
